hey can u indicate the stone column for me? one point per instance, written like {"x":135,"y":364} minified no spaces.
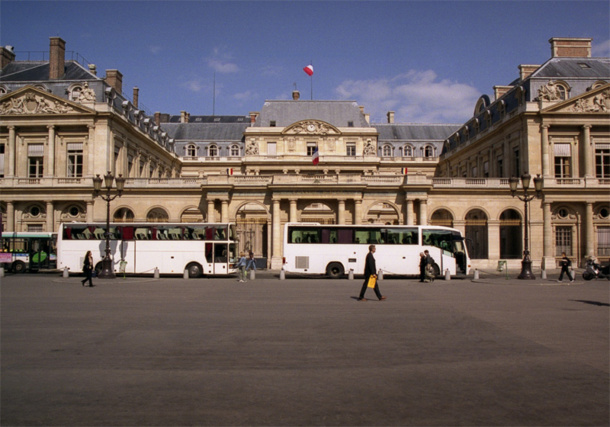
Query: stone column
{"x":90,"y":210}
{"x":423,"y":212}
{"x":544,"y":130}
{"x":10,"y":216}
{"x":50,"y":216}
{"x":341,"y":212}
{"x":293,"y":210}
{"x":50,"y":169}
{"x":224,"y":211}
{"x":589,"y":247}
{"x":276,"y":261}
{"x":408,"y":212}
{"x":493,"y":239}
{"x":211,"y":209}
{"x":588,"y":151}
{"x":357,"y":211}
{"x":548,"y":260}
{"x":12,"y":146}
{"x":90,"y":152}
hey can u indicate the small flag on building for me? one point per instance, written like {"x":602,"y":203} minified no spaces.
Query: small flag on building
{"x":309,"y":70}
{"x":229,"y":171}
{"x":315,"y":157}
{"x":404,"y":171}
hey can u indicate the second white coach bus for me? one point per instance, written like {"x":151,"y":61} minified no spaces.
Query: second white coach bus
{"x":139,"y":248}
{"x":335,"y":249}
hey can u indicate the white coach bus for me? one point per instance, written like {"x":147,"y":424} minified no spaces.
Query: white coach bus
{"x":139,"y":248}
{"x":335,"y":249}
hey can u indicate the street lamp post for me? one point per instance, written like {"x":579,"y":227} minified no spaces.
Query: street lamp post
{"x":107,"y":268}
{"x":526,"y":264}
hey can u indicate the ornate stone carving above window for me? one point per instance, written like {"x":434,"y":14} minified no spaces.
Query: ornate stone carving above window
{"x":312,"y":127}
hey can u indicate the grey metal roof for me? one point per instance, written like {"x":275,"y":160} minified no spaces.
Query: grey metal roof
{"x":598,"y":68}
{"x":212,"y":119}
{"x":29,"y":71}
{"x":285,"y":113}
{"x":206,"y":131}
{"x":415,"y":131}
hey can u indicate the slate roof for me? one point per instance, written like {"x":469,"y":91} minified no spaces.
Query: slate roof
{"x":206,"y":131}
{"x":212,"y":119}
{"x":29,"y":71}
{"x":415,"y":131}
{"x":285,"y":113}
{"x":570,"y":67}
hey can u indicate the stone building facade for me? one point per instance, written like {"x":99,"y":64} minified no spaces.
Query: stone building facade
{"x":61,"y":124}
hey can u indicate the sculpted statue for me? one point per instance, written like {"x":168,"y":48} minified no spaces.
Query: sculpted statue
{"x":87,"y":94}
{"x":549,"y":92}
{"x":251,"y":148}
{"x":369,"y":148}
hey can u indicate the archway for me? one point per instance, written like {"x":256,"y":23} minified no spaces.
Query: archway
{"x":191,"y":214}
{"x":318,"y":212}
{"x":123,"y":215}
{"x":477,"y":239}
{"x":157,"y":215}
{"x":251,"y":227}
{"x":511,"y":241}
{"x":383,"y":213}
{"x":442,"y":217}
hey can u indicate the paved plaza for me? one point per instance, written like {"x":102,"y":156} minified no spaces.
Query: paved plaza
{"x":303,"y":351}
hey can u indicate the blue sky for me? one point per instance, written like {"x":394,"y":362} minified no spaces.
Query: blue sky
{"x":429,"y":61}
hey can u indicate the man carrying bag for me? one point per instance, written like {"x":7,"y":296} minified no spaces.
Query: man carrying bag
{"x":370,"y":270}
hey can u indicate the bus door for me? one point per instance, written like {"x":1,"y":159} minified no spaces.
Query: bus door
{"x":39,"y":252}
{"x":221,"y":258}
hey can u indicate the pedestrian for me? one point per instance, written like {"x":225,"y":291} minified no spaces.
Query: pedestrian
{"x":565,"y":264}
{"x":241,"y":265}
{"x":429,"y":271}
{"x":370,"y":269}
{"x":88,"y":269}
{"x":251,"y":262}
{"x":422,"y":266}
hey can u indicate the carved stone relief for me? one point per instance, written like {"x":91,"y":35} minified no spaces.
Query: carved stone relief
{"x":32,"y":103}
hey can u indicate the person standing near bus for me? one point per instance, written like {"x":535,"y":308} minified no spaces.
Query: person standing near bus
{"x":423,"y":261}
{"x":88,"y":269}
{"x":251,"y":262}
{"x":370,"y":269}
{"x":241,"y":265}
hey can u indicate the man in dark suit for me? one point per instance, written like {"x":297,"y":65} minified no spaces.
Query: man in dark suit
{"x":370,"y":269}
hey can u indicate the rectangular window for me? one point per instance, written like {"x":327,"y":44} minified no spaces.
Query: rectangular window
{"x":271,"y":149}
{"x":311,"y":146}
{"x":500,"y":164}
{"x":563,"y":240}
{"x":517,"y":162}
{"x":1,"y":160}
{"x":35,"y":160}
{"x":602,"y":161}
{"x":75,"y":160}
{"x":563,"y":157}
{"x":486,"y":169}
{"x":351,"y":149}
{"x":603,"y":241}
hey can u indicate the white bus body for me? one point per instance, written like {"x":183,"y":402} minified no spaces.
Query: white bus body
{"x":139,"y":248}
{"x":335,"y":249}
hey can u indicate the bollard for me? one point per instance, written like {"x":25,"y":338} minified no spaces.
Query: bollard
{"x":380,"y":275}
{"x":543,"y":274}
{"x":282,"y":274}
{"x":156,"y":274}
{"x":476,"y":274}
{"x":252,"y":274}
{"x":350,"y":275}
{"x":186,"y":274}
{"x":66,"y":272}
{"x":1,"y":271}
{"x":447,"y":275}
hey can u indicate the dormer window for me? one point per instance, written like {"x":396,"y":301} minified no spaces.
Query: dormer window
{"x":191,"y":150}
{"x":386,"y":151}
{"x":213,"y":150}
{"x":272,"y":123}
{"x":407,"y":151}
{"x":350,"y":124}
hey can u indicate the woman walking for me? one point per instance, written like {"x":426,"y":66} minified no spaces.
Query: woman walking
{"x":88,"y":269}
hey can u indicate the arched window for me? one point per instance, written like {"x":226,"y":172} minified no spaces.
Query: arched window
{"x":191,"y":150}
{"x":74,"y":92}
{"x":234,"y":150}
{"x":123,"y":215}
{"x":429,"y":151}
{"x":386,"y":151}
{"x":407,"y":151}
{"x":213,"y":150}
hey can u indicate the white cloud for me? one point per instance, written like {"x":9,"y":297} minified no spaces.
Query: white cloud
{"x":221,"y":62}
{"x":195,"y":85}
{"x":601,"y":49}
{"x":415,"y":96}
{"x":245,"y":96}
{"x":155,"y":49}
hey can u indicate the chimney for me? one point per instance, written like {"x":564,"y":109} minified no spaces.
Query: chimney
{"x":93,"y":69}
{"x":114,"y":78}
{"x":526,"y":70}
{"x":566,"y":47}
{"x":158,"y":118}
{"x":296,"y":95}
{"x":6,"y":56}
{"x":390,"y":117}
{"x":184,"y":117}
{"x":57,"y":58}
{"x":501,"y":90}
{"x":136,"y":94}
{"x":253,"y":116}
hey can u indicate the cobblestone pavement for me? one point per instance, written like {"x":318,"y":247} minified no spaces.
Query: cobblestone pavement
{"x":303,"y":351}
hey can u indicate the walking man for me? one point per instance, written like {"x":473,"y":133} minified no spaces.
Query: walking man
{"x":565,"y":263}
{"x":370,"y":269}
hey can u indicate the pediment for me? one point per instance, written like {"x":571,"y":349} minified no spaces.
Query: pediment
{"x":594,"y":101}
{"x":32,"y":101}
{"x":311,"y":127}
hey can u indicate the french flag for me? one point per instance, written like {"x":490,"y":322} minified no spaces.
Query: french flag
{"x":308,"y":70}
{"x":404,"y":171}
{"x":315,"y":158}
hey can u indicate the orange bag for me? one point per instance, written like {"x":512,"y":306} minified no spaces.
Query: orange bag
{"x":372,"y":281}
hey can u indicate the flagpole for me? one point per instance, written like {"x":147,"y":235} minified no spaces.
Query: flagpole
{"x":311,"y":82}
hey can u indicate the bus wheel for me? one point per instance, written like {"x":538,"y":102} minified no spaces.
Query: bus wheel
{"x":335,"y":270}
{"x":195,"y":270}
{"x":18,"y":267}
{"x":437,"y":270}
